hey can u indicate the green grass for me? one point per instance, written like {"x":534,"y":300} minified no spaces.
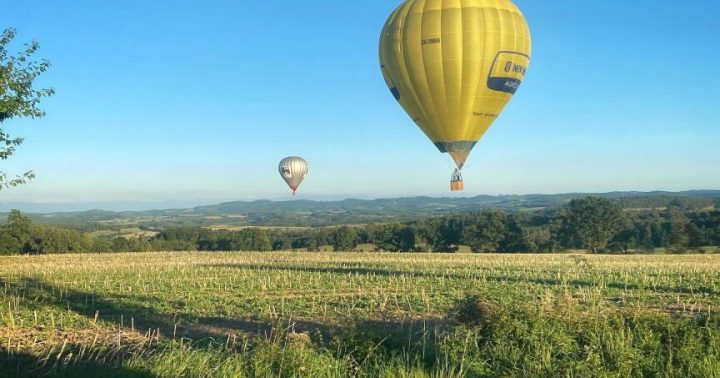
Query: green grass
{"x":360,"y":314}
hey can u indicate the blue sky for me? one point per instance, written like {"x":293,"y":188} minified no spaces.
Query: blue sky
{"x":183,"y":102}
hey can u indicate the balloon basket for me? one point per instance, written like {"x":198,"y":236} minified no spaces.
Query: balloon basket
{"x":457,"y":186}
{"x":456,"y":181}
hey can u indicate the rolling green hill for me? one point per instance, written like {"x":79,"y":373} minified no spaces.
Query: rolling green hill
{"x":355,"y":211}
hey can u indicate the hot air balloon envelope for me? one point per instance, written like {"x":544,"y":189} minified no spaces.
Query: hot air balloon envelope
{"x":293,"y":170}
{"x":453,"y":65}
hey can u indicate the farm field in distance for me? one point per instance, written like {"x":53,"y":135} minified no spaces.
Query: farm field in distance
{"x":359,"y":314}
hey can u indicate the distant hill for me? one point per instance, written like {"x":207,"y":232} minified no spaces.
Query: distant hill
{"x":356,"y":211}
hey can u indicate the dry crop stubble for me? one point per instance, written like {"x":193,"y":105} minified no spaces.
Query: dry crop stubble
{"x":120,"y":308}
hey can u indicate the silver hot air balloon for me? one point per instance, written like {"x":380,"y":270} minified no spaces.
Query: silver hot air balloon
{"x":293,"y":170}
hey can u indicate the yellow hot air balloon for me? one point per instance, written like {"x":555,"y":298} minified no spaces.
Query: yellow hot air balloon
{"x":453,"y":65}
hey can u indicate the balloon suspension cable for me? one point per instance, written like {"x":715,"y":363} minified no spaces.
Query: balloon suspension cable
{"x":457,"y":175}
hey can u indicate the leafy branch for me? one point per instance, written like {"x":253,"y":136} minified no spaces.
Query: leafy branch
{"x":18,"y":96}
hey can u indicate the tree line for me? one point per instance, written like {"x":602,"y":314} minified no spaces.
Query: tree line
{"x":594,"y":224}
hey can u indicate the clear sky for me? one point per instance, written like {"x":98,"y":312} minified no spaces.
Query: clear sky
{"x":182,"y":102}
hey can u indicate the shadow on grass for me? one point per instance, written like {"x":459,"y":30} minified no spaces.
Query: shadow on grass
{"x":203,"y":331}
{"x":491,"y":278}
{"x":412,"y":336}
{"x":23,"y":365}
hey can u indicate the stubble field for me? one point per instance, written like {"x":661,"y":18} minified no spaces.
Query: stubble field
{"x":359,"y":314}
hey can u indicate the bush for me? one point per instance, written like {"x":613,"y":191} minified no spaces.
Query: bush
{"x":473,"y":310}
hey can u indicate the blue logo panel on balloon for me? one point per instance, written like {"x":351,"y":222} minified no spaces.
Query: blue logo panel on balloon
{"x":507,"y":71}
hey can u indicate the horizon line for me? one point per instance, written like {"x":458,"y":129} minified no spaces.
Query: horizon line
{"x":183,"y":204}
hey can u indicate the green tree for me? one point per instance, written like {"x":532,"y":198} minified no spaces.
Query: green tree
{"x":50,"y":239}
{"x":172,"y":245}
{"x":16,"y":234}
{"x":485,"y":232}
{"x":366,"y":235}
{"x":696,"y":236}
{"x":648,"y":233}
{"x":623,"y":241}
{"x":396,"y":238}
{"x":675,"y":224}
{"x":253,"y":239}
{"x":281,"y":241}
{"x":344,"y":239}
{"x":443,"y":234}
{"x":516,"y":238}
{"x":120,"y":244}
{"x":18,"y":97}
{"x":589,"y":223}
{"x":539,"y":239}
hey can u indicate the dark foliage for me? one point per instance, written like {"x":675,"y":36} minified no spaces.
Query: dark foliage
{"x":593,"y":224}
